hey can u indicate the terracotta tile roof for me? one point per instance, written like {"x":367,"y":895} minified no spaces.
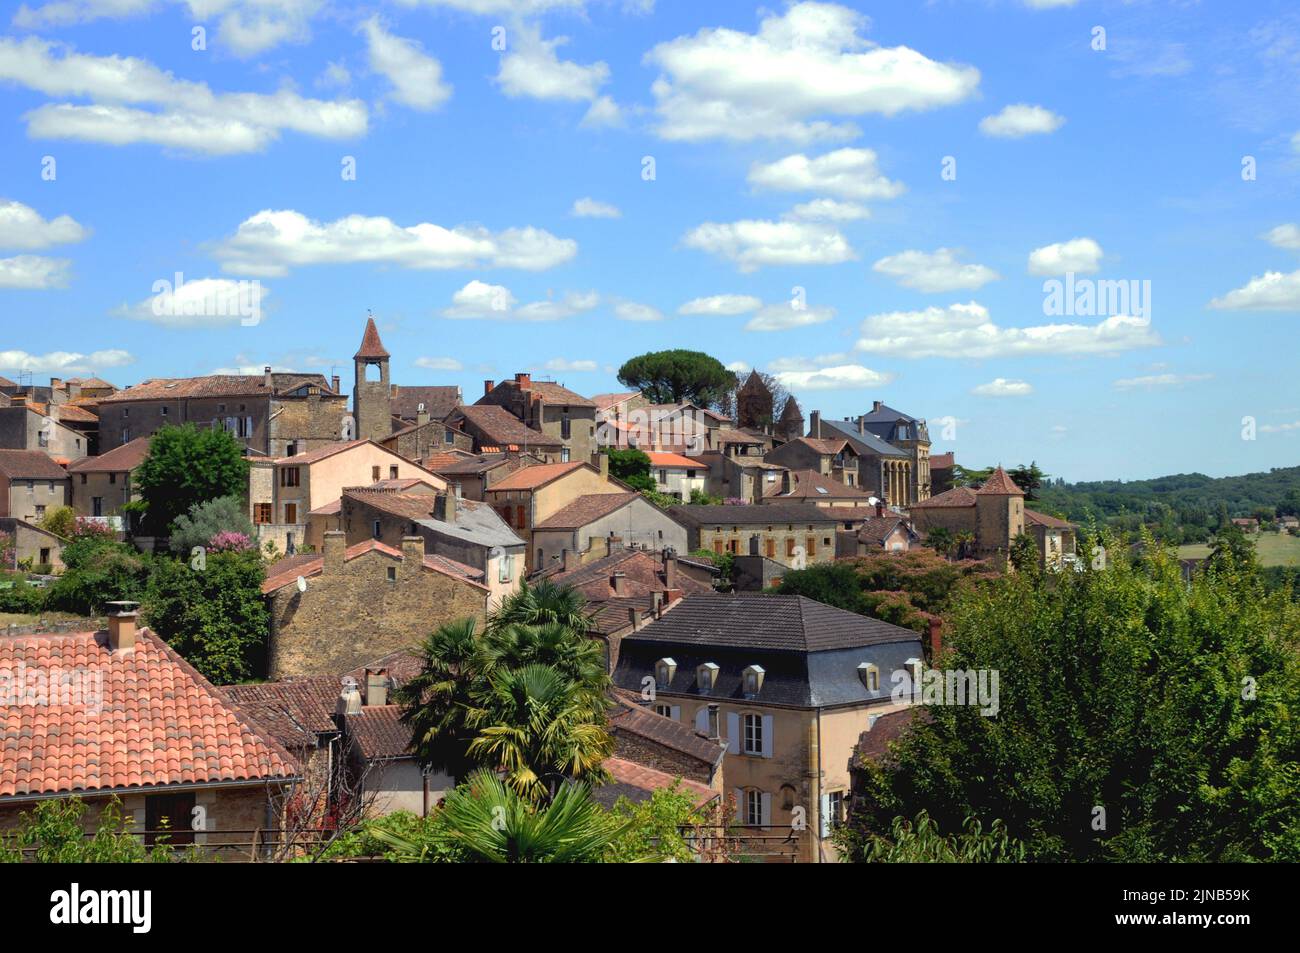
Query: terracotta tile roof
{"x":371,"y":346}
{"x":612,"y":615}
{"x":30,"y":465}
{"x":674,"y":460}
{"x":811,"y":485}
{"x":438,"y":401}
{"x":878,"y":528}
{"x":637,"y":782}
{"x":158,"y":722}
{"x":277,"y":577}
{"x":724,"y":435}
{"x":121,"y":459}
{"x":411,"y":506}
{"x":942,"y":461}
{"x":295,"y":711}
{"x":585,"y":509}
{"x":554,"y":393}
{"x":216,"y":385}
{"x":406,"y":483}
{"x":379,"y":732}
{"x":642,"y":572}
{"x":874,"y":744}
{"x":503,"y":429}
{"x":828,"y":446}
{"x":530,"y":478}
{"x":606,"y":401}
{"x":1034,"y":518}
{"x":1001,"y":485}
{"x":72,"y":413}
{"x":957,"y":496}
{"x":628,"y":713}
{"x":437,"y":461}
{"x":323,"y":452}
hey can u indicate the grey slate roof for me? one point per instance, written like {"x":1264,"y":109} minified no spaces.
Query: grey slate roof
{"x":476,"y":523}
{"x":863,"y":442}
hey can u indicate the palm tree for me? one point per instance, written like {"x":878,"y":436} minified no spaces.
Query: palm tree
{"x":490,"y":823}
{"x":435,"y":699}
{"x":965,"y":544}
{"x":940,"y":540}
{"x":577,"y":657}
{"x":537,"y":726}
{"x":540,"y":604}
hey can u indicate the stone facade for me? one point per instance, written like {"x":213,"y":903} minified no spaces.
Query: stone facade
{"x":22,"y":428}
{"x":372,"y":390}
{"x":561,"y":414}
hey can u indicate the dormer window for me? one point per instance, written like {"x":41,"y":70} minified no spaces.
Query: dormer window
{"x":870,"y":676}
{"x":665,"y":669}
{"x":753,"y":677}
{"x":706,"y":676}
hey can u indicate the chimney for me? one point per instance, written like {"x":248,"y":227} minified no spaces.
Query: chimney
{"x":56,"y":383}
{"x":421,"y":415}
{"x":670,"y":569}
{"x":936,"y":638}
{"x":657,"y":600}
{"x":604,"y":466}
{"x":335,"y":543}
{"x":525,"y":381}
{"x":459,"y":490}
{"x":349,"y":700}
{"x":862,"y":424}
{"x":880,"y":507}
{"x":444,"y":507}
{"x":376,"y":687}
{"x":619,"y":581}
{"x":633,"y":617}
{"x":487,"y":387}
{"x":671,"y":596}
{"x":121,"y":625}
{"x":569,"y":560}
{"x":412,"y":554}
{"x":266,"y":377}
{"x":876,"y":405}
{"x":815,"y":424}
{"x":334,"y":384}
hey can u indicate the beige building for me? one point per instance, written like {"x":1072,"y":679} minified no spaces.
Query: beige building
{"x":604,"y":521}
{"x":788,"y":685}
{"x":833,"y":457}
{"x":26,"y":427}
{"x":794,"y":534}
{"x":678,"y":476}
{"x":31,"y":484}
{"x":102,"y":485}
{"x":564,"y":416}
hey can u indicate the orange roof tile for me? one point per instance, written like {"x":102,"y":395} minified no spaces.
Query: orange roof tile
{"x":530,"y":478}
{"x":660,"y":459}
{"x":371,"y":346}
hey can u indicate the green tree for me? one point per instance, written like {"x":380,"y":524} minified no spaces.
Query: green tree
{"x":97,"y":571}
{"x":61,"y":521}
{"x":1029,"y":479}
{"x":540,"y":604}
{"x":629,"y":465}
{"x":1024,"y":553}
{"x":53,"y":832}
{"x":207,"y":519}
{"x":212,"y":612}
{"x":678,"y":376}
{"x":1172,"y":709}
{"x":186,"y":466}
{"x":940,"y":540}
{"x":922,"y":843}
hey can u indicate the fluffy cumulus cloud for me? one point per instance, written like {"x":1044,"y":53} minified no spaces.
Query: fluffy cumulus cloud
{"x":439,"y":364}
{"x":726,"y":304}
{"x":846,"y":173}
{"x":416,"y":77}
{"x":828,"y":210}
{"x":133,"y":101}
{"x":65,"y":362}
{"x":753,"y":243}
{"x":1079,"y":255}
{"x":935,"y":271}
{"x":273,"y":242}
{"x":478,"y":299}
{"x":1020,"y":120}
{"x":35,"y":272}
{"x":633,"y":311}
{"x":532,"y":68}
{"x":1003,"y":387}
{"x":201,"y":303}
{"x":23,"y":228}
{"x":803,"y":72}
{"x":784,"y":316}
{"x":967,"y":331}
{"x":1284,"y":236}
{"x":835,"y":377}
{"x":1272,"y":291}
{"x":561,"y":365}
{"x":590,"y":208}
{"x":1160,"y":381}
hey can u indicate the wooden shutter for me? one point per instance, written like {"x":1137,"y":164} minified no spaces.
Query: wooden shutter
{"x":676,"y":712}
{"x":702,"y":720}
{"x":766,"y":812}
{"x":825,"y":816}
{"x":767,"y":736}
{"x":734,"y":736}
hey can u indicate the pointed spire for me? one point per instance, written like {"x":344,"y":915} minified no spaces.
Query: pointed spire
{"x":371,"y":347}
{"x":791,"y":411}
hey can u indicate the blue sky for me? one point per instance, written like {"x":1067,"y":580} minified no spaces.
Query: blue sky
{"x":502,"y":216}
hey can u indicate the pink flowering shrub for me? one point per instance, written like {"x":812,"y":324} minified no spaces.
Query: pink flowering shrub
{"x":228,"y":541}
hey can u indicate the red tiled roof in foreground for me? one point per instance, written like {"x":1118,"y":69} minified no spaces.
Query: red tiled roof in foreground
{"x":121,"y":459}
{"x":146,"y":718}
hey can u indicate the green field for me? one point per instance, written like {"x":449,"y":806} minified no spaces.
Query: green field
{"x":1272,"y":549}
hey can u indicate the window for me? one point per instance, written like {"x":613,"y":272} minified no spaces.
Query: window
{"x":665,"y":669}
{"x":291,"y":512}
{"x":392,"y":574}
{"x":753,"y":680}
{"x":869,"y":675}
{"x":789,"y":547}
{"x":172,"y":814}
{"x":733,"y":546}
{"x":262,"y":513}
{"x":291,"y":449}
{"x":718,"y":546}
{"x":505,"y":568}
{"x":566,"y":428}
{"x":392,"y":472}
{"x":374,"y":474}
{"x":753,"y":737}
{"x":754,"y":807}
{"x":665,"y":710}
{"x":519,"y":517}
{"x":835,"y":808}
{"x":769,"y":548}
{"x":706,"y":675}
{"x":40,"y":511}
{"x":811,"y":542}
{"x":83,"y":479}
{"x":376,"y":529}
{"x":564,"y":454}
{"x":42,"y":438}
{"x":126,"y":411}
{"x":290,"y":476}
{"x":112,"y":478}
{"x":126,"y":434}
{"x":164,"y":411}
{"x":663,"y":476}
{"x":97,"y":506}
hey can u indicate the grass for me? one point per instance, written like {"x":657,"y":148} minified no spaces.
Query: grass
{"x":1272,"y":549}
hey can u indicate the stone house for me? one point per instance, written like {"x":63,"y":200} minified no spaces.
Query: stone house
{"x":741,"y":476}
{"x":789,"y":685}
{"x":562,"y":415}
{"x":832,"y":457}
{"x":885,"y":532}
{"x":678,"y":476}
{"x":809,"y":486}
{"x":883,"y":469}
{"x":496,"y":430}
{"x":476,"y":472}
{"x":271,"y":414}
{"x":941,"y":465}
{"x":357,"y":602}
{"x":1054,"y":537}
{"x":101,"y":485}
{"x":794,"y":534}
{"x":467,"y":533}
{"x":407,"y":402}
{"x":652,"y":750}
{"x":32,"y":544}
{"x":31,"y":484}
{"x":426,"y":437}
{"x":628,"y":519}
{"x":136,"y":721}
{"x":25,"y":426}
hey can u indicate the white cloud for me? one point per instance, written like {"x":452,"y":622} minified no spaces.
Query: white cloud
{"x":806,"y":63}
{"x":1273,"y":291}
{"x":1020,"y":120}
{"x":838,"y":377}
{"x":966,"y":331}
{"x":783,"y":317}
{"x":497,"y":7}
{"x":481,"y":300}
{"x":847,"y":173}
{"x":632,"y":311}
{"x":201,"y":303}
{"x":728,"y":304}
{"x":1049,"y":4}
{"x":439,"y":363}
{"x":1156,"y":381}
{"x":531,"y":68}
{"x":35,"y":272}
{"x":416,"y":76}
{"x":1079,"y":255}
{"x":603,"y":112}
{"x":1285,"y":236}
{"x":740,"y":367}
{"x":273,"y":241}
{"x":1279,"y":428}
{"x":590,"y":208}
{"x":21,"y":227}
{"x":828,"y":210}
{"x":561,"y":365}
{"x":1003,"y":387}
{"x":808,"y":363}
{"x":753,"y":243}
{"x":187,"y":115}
{"x":64,"y":362}
{"x":935,"y":271}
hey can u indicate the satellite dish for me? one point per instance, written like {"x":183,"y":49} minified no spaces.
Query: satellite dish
{"x":302,"y":584}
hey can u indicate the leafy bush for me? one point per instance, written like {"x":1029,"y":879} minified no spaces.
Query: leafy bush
{"x":186,"y":466}
{"x":52,"y":833}
{"x":19,"y":597}
{"x":61,"y":521}
{"x":205,"y":521}
{"x":97,"y":571}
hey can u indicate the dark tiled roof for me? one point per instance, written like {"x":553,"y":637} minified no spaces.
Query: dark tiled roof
{"x":758,"y":620}
{"x":724,"y":435}
{"x":627,"y":714}
{"x":502,"y":428}
{"x":878,"y":528}
{"x":121,"y":459}
{"x":874,"y":744}
{"x":296,"y":711}
{"x":1033,"y":518}
{"x":371,"y":346}
{"x":216,"y":385}
{"x":750,"y":514}
{"x":642,"y":571}
{"x":811,"y":485}
{"x":438,"y":401}
{"x":585,"y":509}
{"x":862,"y":442}
{"x":379,"y":732}
{"x":30,"y":465}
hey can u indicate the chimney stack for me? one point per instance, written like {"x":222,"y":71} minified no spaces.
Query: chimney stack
{"x":862,"y":424}
{"x":334,"y":384}
{"x":670,"y":569}
{"x":525,"y":381}
{"x":376,"y":687}
{"x":266,"y":377}
{"x":657,"y":600}
{"x":619,"y":581}
{"x":633,"y":616}
{"x":349,"y":700}
{"x":569,"y":560}
{"x":815,"y":424}
{"x":876,"y":405}
{"x":412,"y":554}
{"x":335,"y":544}
{"x":604,"y":465}
{"x":880,"y":507}
{"x":421,"y":415}
{"x":487,"y":387}
{"x":121,"y":625}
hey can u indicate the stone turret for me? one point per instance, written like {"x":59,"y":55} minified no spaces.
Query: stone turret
{"x":372,"y":399}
